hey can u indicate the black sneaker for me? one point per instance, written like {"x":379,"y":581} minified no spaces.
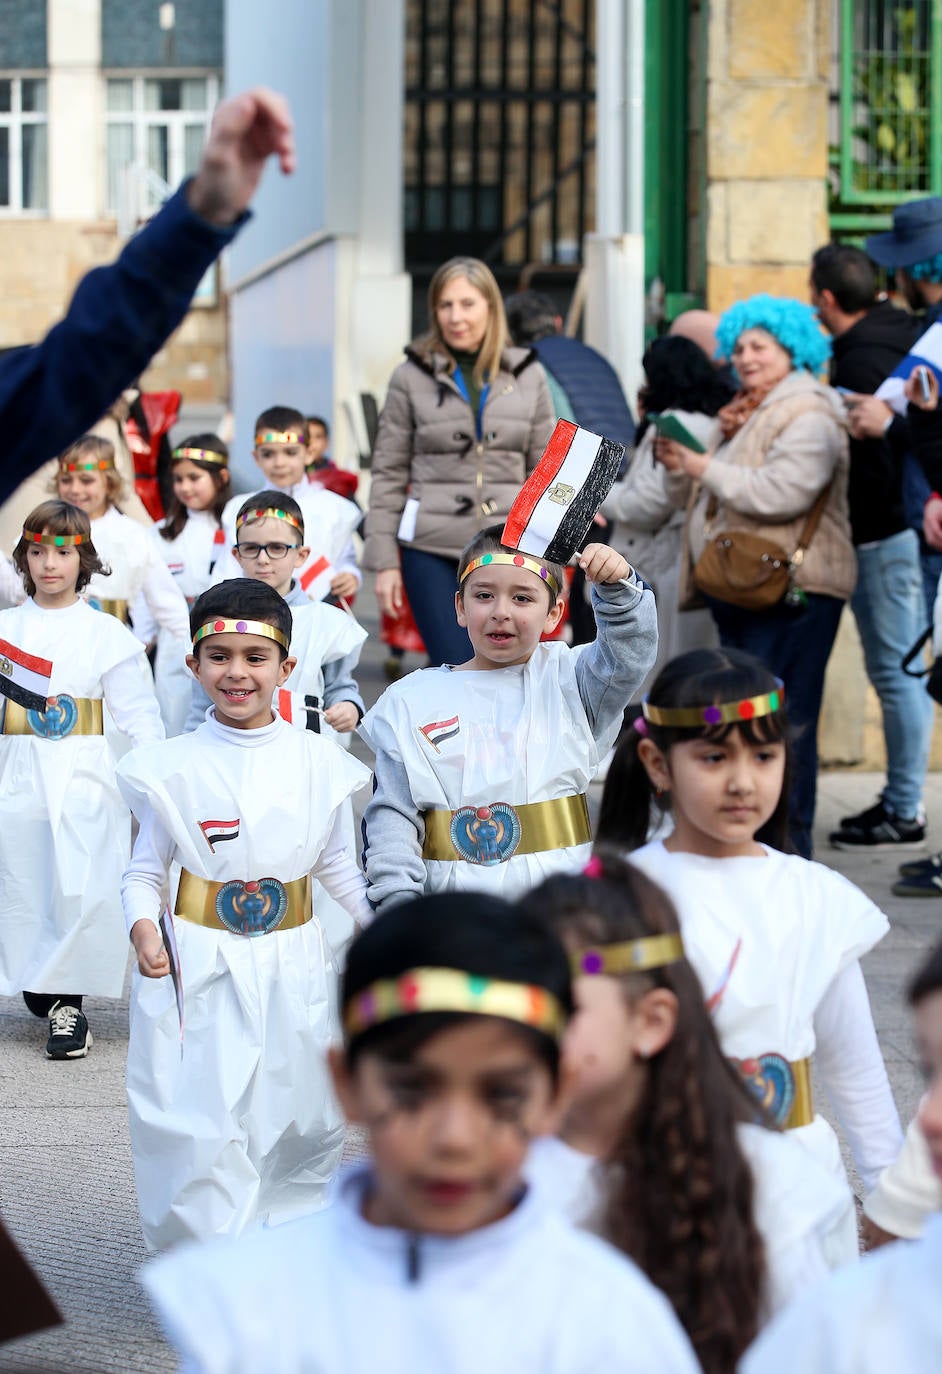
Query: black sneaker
{"x":922,"y":868}
{"x":879,"y":828}
{"x":69,"y":1036}
{"x":921,"y":885}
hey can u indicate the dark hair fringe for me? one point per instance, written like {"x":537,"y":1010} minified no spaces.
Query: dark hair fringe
{"x":177,"y":513}
{"x":678,"y":1190}
{"x":242,"y":598}
{"x":59,"y":517}
{"x":489,"y":541}
{"x":471,"y":931}
{"x":281,"y":418}
{"x":702,"y":677}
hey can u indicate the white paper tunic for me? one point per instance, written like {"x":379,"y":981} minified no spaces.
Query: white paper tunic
{"x":775,"y":941}
{"x":881,"y":1317}
{"x":805,"y":1216}
{"x":331,"y":1294}
{"x":242,"y":1126}
{"x":192,"y":556}
{"x":66,"y":832}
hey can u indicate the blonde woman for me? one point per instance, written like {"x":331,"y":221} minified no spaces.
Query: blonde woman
{"x":465,"y":422}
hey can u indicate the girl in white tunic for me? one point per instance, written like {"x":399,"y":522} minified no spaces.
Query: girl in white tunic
{"x":66,"y":832}
{"x":775,"y":939}
{"x":87,"y":477}
{"x":885,"y":1313}
{"x":235,"y":1122}
{"x":662,"y":1150}
{"x":482,"y":769}
{"x":436,"y":1259}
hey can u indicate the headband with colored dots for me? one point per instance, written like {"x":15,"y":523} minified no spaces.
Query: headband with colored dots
{"x":448,"y":989}
{"x":86,"y":465}
{"x":725,"y":713}
{"x":270,"y":514}
{"x":55,"y":541}
{"x":240,"y":627}
{"x":513,"y":560}
{"x":279,"y":436}
{"x":200,"y":455}
{"x":629,"y":956}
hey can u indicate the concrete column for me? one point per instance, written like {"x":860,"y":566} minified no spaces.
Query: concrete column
{"x":75,"y":109}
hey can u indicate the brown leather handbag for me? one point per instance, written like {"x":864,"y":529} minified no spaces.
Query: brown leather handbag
{"x":744,"y":568}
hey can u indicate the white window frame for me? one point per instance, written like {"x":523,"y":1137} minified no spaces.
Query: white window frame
{"x":146,"y":195}
{"x":14,"y":120}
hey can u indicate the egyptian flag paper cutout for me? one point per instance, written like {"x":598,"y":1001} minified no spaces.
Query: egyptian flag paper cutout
{"x":553,"y":512}
{"x":24,"y":678}
{"x":316,"y":577}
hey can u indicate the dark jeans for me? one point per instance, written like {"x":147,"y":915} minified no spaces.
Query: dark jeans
{"x":794,"y":644}
{"x":430,"y":583}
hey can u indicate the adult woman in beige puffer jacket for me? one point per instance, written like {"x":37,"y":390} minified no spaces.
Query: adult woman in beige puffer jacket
{"x":465,"y":422}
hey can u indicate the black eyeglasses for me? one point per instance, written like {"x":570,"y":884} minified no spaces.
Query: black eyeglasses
{"x":272,"y":551}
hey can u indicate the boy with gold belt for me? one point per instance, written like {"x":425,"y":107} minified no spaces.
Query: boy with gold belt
{"x":482,"y":768}
{"x":236,"y":1123}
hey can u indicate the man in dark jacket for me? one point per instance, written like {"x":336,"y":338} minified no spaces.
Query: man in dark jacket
{"x":870,"y":338}
{"x":121,"y":314}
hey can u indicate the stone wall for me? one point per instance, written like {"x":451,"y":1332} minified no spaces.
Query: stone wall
{"x":41,"y":263}
{"x":766,"y":155}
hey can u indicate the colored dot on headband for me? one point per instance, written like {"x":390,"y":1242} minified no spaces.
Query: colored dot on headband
{"x":722,"y":713}
{"x":200,"y":455}
{"x":55,"y":541}
{"x":511,"y":560}
{"x":424,"y":990}
{"x":278,"y":436}
{"x":89,"y":465}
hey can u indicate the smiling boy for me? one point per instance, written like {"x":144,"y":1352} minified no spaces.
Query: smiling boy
{"x":482,"y":768}
{"x":225,"y":1129}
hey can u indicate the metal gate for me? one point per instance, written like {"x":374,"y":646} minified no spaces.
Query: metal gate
{"x":499,"y":132}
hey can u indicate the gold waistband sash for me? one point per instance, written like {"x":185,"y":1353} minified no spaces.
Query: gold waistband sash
{"x":764,"y":1077}
{"x":113,"y":606}
{"x":495,"y":832}
{"x":244,"y":906}
{"x":89,"y":720}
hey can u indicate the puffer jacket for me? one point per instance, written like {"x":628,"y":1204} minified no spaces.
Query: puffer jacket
{"x":428,"y":450}
{"x":768,"y":476}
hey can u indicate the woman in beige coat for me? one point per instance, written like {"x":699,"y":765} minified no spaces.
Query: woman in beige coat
{"x":465,"y":422}
{"x":783,"y":443}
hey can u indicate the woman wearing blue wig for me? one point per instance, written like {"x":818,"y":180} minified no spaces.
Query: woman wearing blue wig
{"x":782,"y":458}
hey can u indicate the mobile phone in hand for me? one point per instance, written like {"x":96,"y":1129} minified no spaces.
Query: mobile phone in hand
{"x":925,"y":388}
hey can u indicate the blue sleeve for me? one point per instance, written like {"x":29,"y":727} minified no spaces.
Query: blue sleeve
{"x":119,"y":317}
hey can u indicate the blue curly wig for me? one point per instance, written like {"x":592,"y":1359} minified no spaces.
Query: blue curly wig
{"x":930,"y":269}
{"x":791,"y":323}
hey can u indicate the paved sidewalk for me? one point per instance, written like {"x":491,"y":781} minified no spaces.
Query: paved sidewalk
{"x":66,"y":1187}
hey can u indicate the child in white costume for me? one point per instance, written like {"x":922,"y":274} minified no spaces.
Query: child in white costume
{"x":190,"y":541}
{"x":66,"y":832}
{"x":437,"y":1258}
{"x":87,"y":477}
{"x":280,"y":451}
{"x":242,"y":1126}
{"x":775,"y":939}
{"x":660,"y":1139}
{"x":481,"y":769}
{"x":884,"y":1314}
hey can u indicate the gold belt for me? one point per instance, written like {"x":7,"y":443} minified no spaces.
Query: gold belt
{"x":782,"y":1086}
{"x":69,"y":716}
{"x":495,"y":832}
{"x":244,"y":906}
{"x":112,"y":606}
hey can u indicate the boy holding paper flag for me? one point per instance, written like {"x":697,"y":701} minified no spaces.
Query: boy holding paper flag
{"x":482,"y":767}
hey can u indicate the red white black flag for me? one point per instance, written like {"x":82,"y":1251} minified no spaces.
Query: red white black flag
{"x":553,"y":513}
{"x":24,"y":678}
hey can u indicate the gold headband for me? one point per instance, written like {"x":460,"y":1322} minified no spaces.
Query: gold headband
{"x":269,"y":514}
{"x":56,"y":541}
{"x":727,"y":713}
{"x":200,"y":455}
{"x":513,"y":560}
{"x":630,"y":956}
{"x":278,"y":436}
{"x":87,"y":465}
{"x":450,"y":989}
{"x":240,"y":627}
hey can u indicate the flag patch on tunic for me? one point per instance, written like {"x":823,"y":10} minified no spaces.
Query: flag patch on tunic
{"x":437,"y":731}
{"x":553,"y":512}
{"x":214,"y":832}
{"x":24,"y":678}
